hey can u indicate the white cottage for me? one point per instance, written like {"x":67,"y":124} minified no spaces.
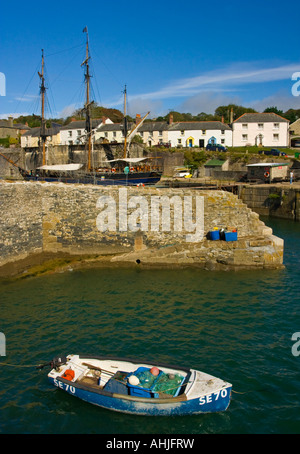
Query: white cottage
{"x":260,"y":129}
{"x":32,"y":138}
{"x":199,"y":133}
{"x":74,"y":133}
{"x":175,"y":134}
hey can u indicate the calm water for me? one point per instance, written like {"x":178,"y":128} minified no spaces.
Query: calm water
{"x":237,"y":326}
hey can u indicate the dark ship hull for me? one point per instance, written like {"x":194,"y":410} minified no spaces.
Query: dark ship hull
{"x":103,"y":179}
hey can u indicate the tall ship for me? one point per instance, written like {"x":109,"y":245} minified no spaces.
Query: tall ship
{"x":123,"y":170}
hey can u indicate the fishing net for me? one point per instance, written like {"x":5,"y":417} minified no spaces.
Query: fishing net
{"x":168,"y":383}
{"x":146,"y":378}
{"x":164,"y":383}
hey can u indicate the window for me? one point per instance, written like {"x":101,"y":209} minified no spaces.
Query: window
{"x":222,"y":141}
{"x":182,"y":133}
{"x":106,"y":134}
{"x":245,"y":137}
{"x":141,"y":133}
{"x":203,"y":131}
{"x":245,"y":126}
{"x":179,"y":141}
{"x":276,"y":125}
{"x":160,"y":133}
{"x":79,"y":132}
{"x":275,"y":137}
{"x":114,"y":134}
{"x":223,"y":131}
{"x":70,"y":133}
{"x":260,"y":126}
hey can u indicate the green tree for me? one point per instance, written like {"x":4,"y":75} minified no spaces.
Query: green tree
{"x":225,"y":111}
{"x":273,"y":110}
{"x":194,"y":159}
{"x":292,"y":115}
{"x":115,"y":115}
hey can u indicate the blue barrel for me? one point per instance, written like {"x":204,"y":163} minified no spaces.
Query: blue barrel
{"x":214,"y":235}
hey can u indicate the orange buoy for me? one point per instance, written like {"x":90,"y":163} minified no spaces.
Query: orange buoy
{"x":68,"y":374}
{"x":154,"y":371}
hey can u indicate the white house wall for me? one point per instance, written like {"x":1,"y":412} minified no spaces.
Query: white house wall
{"x":195,"y":136}
{"x":78,"y":135}
{"x":71,"y":135}
{"x":273,"y":134}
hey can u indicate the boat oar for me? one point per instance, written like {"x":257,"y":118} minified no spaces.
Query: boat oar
{"x":98,"y":368}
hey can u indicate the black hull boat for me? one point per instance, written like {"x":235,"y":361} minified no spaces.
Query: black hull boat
{"x":102,"y":179}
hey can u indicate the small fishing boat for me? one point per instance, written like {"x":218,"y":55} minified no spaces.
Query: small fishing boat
{"x":140,"y":388}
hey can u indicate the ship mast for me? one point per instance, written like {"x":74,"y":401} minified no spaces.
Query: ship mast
{"x":43,"y":122}
{"x":125,"y":124}
{"x":88,"y":126}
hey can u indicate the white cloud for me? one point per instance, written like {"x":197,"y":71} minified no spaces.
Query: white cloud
{"x":26,"y":98}
{"x":209,"y":90}
{"x":207,"y":102}
{"x":213,"y":88}
{"x":142,"y":106}
{"x":4,"y":116}
{"x":222,"y":79}
{"x":67,"y":111}
{"x":281,"y":100}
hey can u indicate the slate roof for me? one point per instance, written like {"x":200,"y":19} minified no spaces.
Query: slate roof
{"x":80,"y":124}
{"x":20,"y":126}
{"x":154,"y":126}
{"x":165,"y":126}
{"x":36,"y":132}
{"x":5,"y":124}
{"x":113,"y":127}
{"x":266,"y":117}
{"x":198,"y":125}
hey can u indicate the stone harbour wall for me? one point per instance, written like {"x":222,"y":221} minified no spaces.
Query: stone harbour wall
{"x":118,"y":226}
{"x":280,"y":201}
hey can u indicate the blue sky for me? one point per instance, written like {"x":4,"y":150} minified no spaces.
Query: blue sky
{"x":187,"y":56}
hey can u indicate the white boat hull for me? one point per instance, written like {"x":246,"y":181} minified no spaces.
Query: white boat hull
{"x":198,"y":393}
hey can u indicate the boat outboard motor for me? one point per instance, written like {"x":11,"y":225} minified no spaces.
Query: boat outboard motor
{"x":58,"y":361}
{"x":55,"y":363}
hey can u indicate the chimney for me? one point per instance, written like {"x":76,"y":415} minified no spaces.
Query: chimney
{"x":138,"y":119}
{"x":73,"y":119}
{"x":231,"y":115}
{"x":170,"y":119}
{"x":10,"y":122}
{"x":104,"y":120}
{"x":222,"y":119}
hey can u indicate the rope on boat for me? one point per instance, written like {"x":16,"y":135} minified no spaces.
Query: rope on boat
{"x":17,"y":365}
{"x":245,"y":392}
